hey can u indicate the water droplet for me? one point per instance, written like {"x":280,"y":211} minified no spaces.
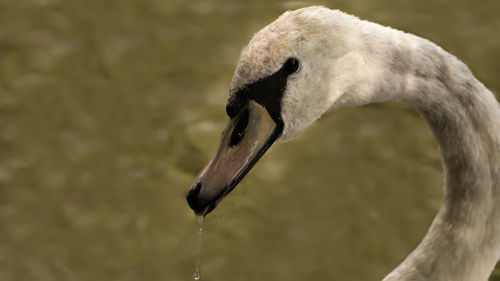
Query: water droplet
{"x":197,"y":274}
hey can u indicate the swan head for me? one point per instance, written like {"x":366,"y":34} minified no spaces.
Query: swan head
{"x":291,"y":72}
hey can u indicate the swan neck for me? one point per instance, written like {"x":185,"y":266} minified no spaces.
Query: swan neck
{"x":463,"y":242}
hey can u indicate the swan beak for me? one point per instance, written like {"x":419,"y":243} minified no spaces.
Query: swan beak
{"x":246,"y":138}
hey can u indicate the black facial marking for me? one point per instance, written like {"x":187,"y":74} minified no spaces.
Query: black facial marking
{"x":239,"y":128}
{"x":267,"y":91}
{"x":234,"y":104}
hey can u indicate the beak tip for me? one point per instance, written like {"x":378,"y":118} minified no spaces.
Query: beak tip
{"x":195,"y":202}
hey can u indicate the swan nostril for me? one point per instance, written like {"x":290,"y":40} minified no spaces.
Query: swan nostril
{"x":239,"y":128}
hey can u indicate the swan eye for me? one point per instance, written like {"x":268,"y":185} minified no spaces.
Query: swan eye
{"x":291,"y":65}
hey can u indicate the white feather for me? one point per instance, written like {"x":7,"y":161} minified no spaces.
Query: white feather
{"x":349,"y":62}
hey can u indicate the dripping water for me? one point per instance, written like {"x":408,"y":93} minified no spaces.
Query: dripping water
{"x":197,"y":274}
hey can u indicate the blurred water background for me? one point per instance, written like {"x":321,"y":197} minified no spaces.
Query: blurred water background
{"x":108,"y":109}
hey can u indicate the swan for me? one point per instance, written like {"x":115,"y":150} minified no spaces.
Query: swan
{"x":313,"y":60}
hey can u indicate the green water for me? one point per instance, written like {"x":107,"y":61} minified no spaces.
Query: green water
{"x":108,"y":109}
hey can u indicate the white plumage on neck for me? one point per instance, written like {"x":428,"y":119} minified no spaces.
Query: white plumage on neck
{"x":349,"y":62}
{"x":463,"y":241}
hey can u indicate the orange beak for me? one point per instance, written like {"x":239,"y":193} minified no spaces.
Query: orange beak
{"x":246,"y":138}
